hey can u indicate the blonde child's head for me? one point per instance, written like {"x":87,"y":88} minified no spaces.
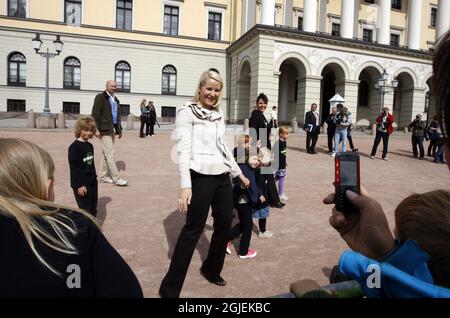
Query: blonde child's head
{"x":86,"y":123}
{"x":425,"y":218}
{"x":283,"y":132}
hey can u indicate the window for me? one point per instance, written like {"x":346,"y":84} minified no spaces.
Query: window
{"x":367,"y":35}
{"x":17,"y":8}
{"x":123,"y":76}
{"x":72,"y":12}
{"x":124,"y":14}
{"x":214,"y":26}
{"x":395,"y":39}
{"x":16,"y":105}
{"x":171,"y":20}
{"x":169,"y":80}
{"x":71,"y":108}
{"x":72,"y":73}
{"x":335,"y":29}
{"x":433,"y":17}
{"x":369,"y":1}
{"x":396,"y":4}
{"x":124,"y":109}
{"x":363,"y":94}
{"x":17,"y":69}
{"x":300,"y":23}
{"x":168,"y":113}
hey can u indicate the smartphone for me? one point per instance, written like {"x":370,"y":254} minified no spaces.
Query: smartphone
{"x":347,"y":177}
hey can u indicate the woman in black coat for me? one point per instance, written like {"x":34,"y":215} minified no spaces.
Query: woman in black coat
{"x":151,"y":119}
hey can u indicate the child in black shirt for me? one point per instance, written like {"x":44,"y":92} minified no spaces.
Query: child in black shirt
{"x":83,"y":178}
{"x":280,"y":158}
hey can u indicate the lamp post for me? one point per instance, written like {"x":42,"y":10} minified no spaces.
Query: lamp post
{"x":58,"y":45}
{"x":381,"y":86}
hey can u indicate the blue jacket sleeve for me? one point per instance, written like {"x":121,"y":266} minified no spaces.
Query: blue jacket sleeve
{"x":401,"y":274}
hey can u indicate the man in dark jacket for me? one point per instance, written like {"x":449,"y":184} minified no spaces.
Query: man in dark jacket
{"x":312,"y":126}
{"x":106,"y":112}
{"x":417,"y":127}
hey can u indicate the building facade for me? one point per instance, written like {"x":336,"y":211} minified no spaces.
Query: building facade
{"x":296,"y":51}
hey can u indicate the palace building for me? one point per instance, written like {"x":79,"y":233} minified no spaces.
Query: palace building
{"x":296,"y":51}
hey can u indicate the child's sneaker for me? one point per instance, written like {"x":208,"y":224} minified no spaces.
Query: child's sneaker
{"x":106,"y":180}
{"x":265,"y":234}
{"x":229,"y":248}
{"x":250,"y":254}
{"x":284,"y":197}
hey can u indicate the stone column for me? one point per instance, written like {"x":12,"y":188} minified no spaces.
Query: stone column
{"x":268,"y":12}
{"x":443,"y":18}
{"x":249,"y":14}
{"x":310,"y":16}
{"x":347,"y":18}
{"x":384,"y":22}
{"x":288,"y":13}
{"x":351,"y":97}
{"x":414,"y":23}
{"x":310,"y":85}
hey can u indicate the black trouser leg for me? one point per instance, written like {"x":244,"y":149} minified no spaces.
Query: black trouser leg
{"x":141,"y":130}
{"x":147,"y":128}
{"x":376,"y":142}
{"x":152,"y":129}
{"x":308,"y":141}
{"x":350,"y":142}
{"x":421,"y":149}
{"x":222,"y":206}
{"x":244,"y":227}
{"x":206,"y":191}
{"x":314,"y":138}
{"x":385,"y":143}
{"x":89,"y":201}
{"x":431,"y":148}
{"x":330,"y":142}
{"x":262,"y":225}
{"x":273,"y":198}
{"x":414,"y":145}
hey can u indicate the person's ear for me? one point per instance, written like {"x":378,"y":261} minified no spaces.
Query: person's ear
{"x":49,"y":191}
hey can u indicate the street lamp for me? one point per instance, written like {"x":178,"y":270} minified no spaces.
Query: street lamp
{"x":58,"y":45}
{"x":381,"y":86}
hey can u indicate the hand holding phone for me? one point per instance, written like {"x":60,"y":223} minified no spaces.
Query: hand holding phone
{"x":347,"y":177}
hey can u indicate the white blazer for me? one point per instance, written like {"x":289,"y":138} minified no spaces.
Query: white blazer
{"x":201,"y":143}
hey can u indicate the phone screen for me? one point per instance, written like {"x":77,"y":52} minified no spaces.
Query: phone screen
{"x":349,"y":173}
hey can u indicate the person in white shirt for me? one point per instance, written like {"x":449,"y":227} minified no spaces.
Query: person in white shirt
{"x":205,"y":165}
{"x":274,"y":114}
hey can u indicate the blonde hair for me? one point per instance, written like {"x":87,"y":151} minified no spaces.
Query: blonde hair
{"x":265,"y":156}
{"x":209,"y":74}
{"x":24,"y":174}
{"x":425,"y":218}
{"x":283,"y":130}
{"x":143,"y":101}
{"x":84,"y":123}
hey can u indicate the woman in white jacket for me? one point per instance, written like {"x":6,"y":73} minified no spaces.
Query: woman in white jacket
{"x":205,"y":165}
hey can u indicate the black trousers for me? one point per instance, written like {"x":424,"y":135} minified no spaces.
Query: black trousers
{"x":207,"y":190}
{"x":417,"y":141}
{"x":311,"y":140}
{"x":330,"y":141}
{"x":152,"y":129}
{"x":350,"y":142}
{"x":244,"y":227}
{"x":432,"y":148}
{"x":143,"y":121}
{"x":89,"y":201}
{"x":380,"y":135}
{"x":262,"y":225}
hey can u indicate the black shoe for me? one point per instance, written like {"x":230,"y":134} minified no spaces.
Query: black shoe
{"x":279,"y":205}
{"x":314,"y":153}
{"x":218,"y":281}
{"x":355,"y":149}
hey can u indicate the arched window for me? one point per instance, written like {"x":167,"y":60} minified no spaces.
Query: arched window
{"x":72,"y":73}
{"x":363,"y":94}
{"x":169,"y":80}
{"x":123,"y":76}
{"x":17,"y":69}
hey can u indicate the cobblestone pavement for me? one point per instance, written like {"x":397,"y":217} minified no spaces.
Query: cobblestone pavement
{"x":142,"y":223}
